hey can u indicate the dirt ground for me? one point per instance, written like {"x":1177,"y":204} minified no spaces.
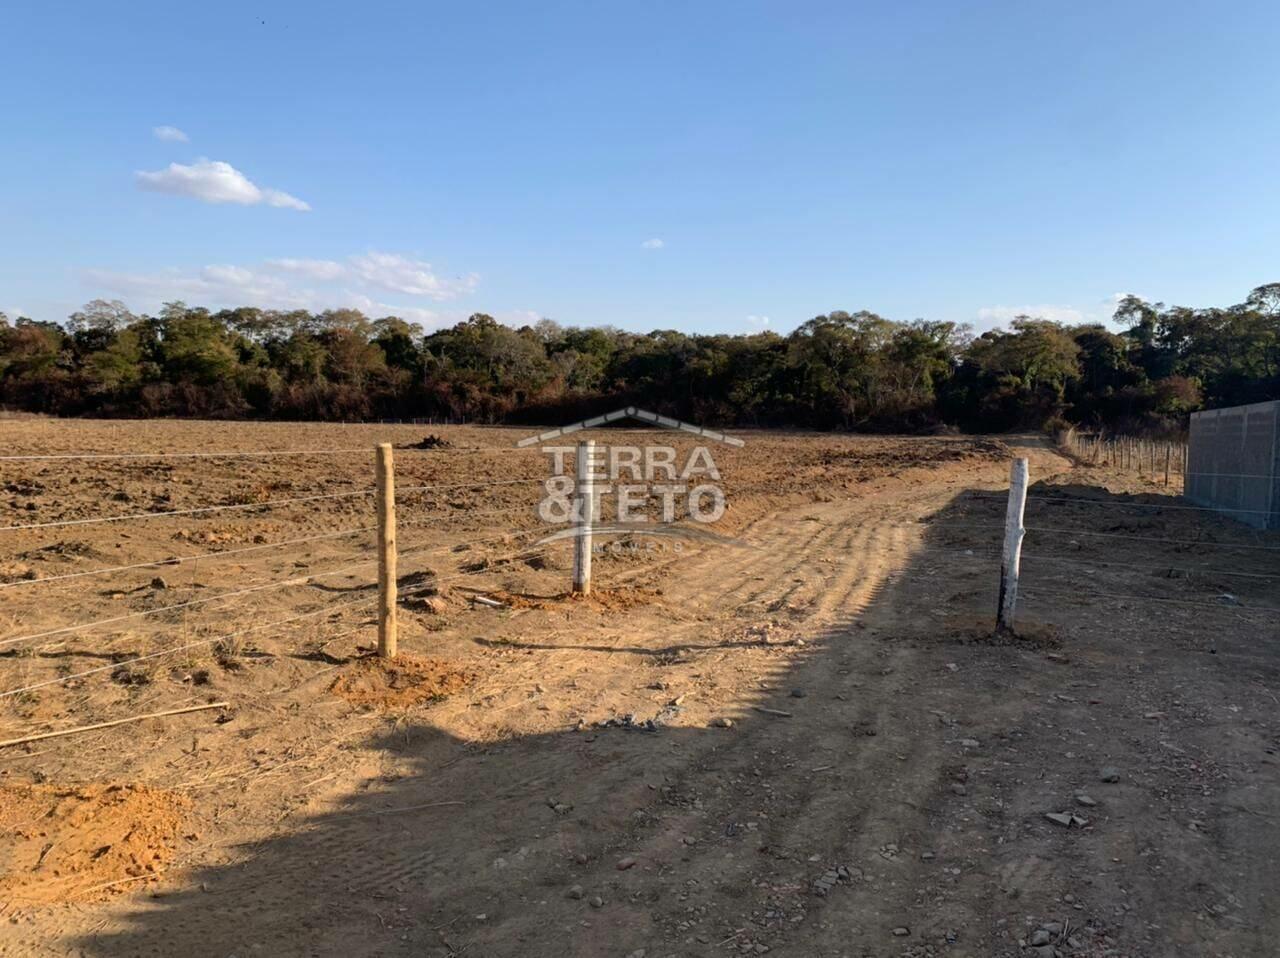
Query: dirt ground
{"x":805,"y":742}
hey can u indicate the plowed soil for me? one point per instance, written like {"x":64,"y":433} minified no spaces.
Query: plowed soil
{"x":805,"y":742}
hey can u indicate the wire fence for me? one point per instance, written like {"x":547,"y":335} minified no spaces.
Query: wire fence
{"x":238,"y":633}
{"x":441,"y":519}
{"x":1158,"y":459}
{"x":1176,"y":547}
{"x":1044,"y":545}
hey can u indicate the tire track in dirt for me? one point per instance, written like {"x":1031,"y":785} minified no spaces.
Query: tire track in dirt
{"x":348,"y":860}
{"x":912,"y":762}
{"x":873,"y":548}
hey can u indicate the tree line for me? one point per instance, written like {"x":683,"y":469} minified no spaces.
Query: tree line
{"x":840,"y":370}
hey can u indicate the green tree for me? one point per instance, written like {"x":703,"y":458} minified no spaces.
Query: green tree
{"x":194,"y":346}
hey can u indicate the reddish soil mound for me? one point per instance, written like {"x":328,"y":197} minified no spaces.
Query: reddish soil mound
{"x":400,"y":683}
{"x":60,"y":843}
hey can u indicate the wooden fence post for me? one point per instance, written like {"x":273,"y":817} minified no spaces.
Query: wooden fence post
{"x":585,"y":496}
{"x":386,"y":495}
{"x":1011,"y":556}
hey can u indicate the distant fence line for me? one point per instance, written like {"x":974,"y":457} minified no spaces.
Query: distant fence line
{"x":1155,"y":458}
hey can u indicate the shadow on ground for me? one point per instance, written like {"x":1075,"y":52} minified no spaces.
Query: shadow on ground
{"x":897,"y":809}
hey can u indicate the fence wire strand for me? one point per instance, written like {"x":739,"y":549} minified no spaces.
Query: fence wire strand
{"x":255,"y":454}
{"x":222,"y":553}
{"x":261,"y":587}
{"x":1221,"y":607}
{"x":264,"y":504}
{"x":180,"y":560}
{"x":1120,"y":505}
{"x":328,"y":607}
{"x":1111,"y":535}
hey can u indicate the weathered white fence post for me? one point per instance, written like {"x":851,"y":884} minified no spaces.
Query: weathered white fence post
{"x":585,"y":495}
{"x":385,"y":486}
{"x":1011,"y":556}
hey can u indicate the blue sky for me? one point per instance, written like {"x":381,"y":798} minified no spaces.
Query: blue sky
{"x":699,"y":166}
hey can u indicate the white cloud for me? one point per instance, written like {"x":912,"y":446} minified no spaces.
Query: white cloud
{"x":412,"y":277}
{"x":1114,"y":300}
{"x":359,"y":282}
{"x":391,"y":272}
{"x":231,"y":275}
{"x":1100,"y":311}
{"x":284,"y":200}
{"x":169,"y":134}
{"x":515,"y":318}
{"x":758,"y":322}
{"x":214,"y":181}
{"x":998,"y":315}
{"x":654,"y":243}
{"x":321,"y":269}
{"x":427,"y":318}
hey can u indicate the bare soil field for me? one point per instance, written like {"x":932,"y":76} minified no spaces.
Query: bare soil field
{"x":804,"y":742}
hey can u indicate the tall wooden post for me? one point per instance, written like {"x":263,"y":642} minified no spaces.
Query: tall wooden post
{"x":1011,"y":556}
{"x":386,"y":496}
{"x":1168,"y":459}
{"x":585,"y":495}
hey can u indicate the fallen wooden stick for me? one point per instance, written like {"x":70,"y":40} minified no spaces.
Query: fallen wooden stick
{"x":777,"y":712}
{"x":123,"y":721}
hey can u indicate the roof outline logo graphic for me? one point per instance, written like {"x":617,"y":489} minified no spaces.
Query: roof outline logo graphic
{"x":630,"y":412}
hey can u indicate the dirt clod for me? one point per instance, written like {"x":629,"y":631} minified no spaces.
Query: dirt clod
{"x":430,"y":442}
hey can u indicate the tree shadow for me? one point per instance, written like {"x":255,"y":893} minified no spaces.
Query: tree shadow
{"x":522,"y":846}
{"x":1086,"y":538}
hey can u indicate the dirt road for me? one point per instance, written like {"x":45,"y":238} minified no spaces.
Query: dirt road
{"x":810,"y":745}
